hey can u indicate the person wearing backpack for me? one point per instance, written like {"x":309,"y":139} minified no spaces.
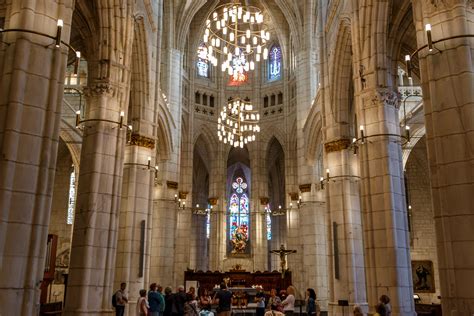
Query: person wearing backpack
{"x":119,"y":299}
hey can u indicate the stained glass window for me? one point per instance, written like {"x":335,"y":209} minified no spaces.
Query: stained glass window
{"x":202,"y":64}
{"x":269,"y":226}
{"x":274,"y":63}
{"x":208,"y":225}
{"x":72,"y":199}
{"x":239,"y":211}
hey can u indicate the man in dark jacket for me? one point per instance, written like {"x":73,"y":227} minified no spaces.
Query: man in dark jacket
{"x":179,"y":299}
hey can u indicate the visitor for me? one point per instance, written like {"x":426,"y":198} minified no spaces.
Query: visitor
{"x":274,"y":302}
{"x":154,"y":300}
{"x":357,"y":311}
{"x":179,"y":299}
{"x":289,"y":302}
{"x":223,"y":299}
{"x":260,"y":300}
{"x":142,"y":304}
{"x":205,"y":300}
{"x":385,"y":300}
{"x":192,"y":292}
{"x":162,"y":300}
{"x":120,"y":299}
{"x":380,"y":310}
{"x":168,"y":302}
{"x":190,"y":306}
{"x":311,"y":305}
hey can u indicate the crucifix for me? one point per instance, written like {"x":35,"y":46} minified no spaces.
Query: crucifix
{"x":283,"y":252}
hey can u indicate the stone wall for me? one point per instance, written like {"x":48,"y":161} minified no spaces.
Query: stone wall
{"x":58,"y":222}
{"x":422,"y":236}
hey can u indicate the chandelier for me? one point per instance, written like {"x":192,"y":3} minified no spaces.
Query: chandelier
{"x":237,"y":33}
{"x":238,"y":123}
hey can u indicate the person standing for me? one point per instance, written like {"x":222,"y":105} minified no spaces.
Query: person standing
{"x":162,"y":304}
{"x":179,"y":299}
{"x":142,"y":304}
{"x":205,"y":300}
{"x":289,"y":302}
{"x":311,"y":305}
{"x":120,"y":299}
{"x":260,"y":300}
{"x":223,"y":299}
{"x":168,"y":302}
{"x":385,"y":300}
{"x":274,"y":302}
{"x":154,"y":300}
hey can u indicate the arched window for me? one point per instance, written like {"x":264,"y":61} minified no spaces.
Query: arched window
{"x":239,"y":215}
{"x":72,"y":199}
{"x":269,"y":226}
{"x":274,"y":63}
{"x":202,"y":63}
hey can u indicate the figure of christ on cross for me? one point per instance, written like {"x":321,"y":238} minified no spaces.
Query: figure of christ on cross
{"x":283,"y":252}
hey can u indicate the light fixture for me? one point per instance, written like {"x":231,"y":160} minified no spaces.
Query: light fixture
{"x":334,"y":178}
{"x":236,"y":32}
{"x":408,"y":64}
{"x":120,"y":122}
{"x":428,"y":36}
{"x":58,"y":32}
{"x":237,"y":123}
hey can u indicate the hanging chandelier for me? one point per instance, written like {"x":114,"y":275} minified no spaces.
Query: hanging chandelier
{"x":237,"y":33}
{"x":238,"y":123}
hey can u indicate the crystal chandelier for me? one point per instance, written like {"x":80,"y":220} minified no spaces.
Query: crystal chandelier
{"x":238,"y":34}
{"x":238,"y":123}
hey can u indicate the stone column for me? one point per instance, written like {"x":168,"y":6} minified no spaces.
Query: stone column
{"x":94,"y":242}
{"x":163,"y":238}
{"x":313,"y":232}
{"x":448,"y":97}
{"x":387,"y":253}
{"x":132,"y":264}
{"x":31,"y":80}
{"x":346,"y":273}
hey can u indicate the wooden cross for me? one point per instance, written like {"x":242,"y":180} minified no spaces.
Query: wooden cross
{"x":283,"y":252}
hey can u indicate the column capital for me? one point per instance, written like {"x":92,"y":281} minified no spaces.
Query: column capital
{"x":142,"y":141}
{"x":99,"y":88}
{"x":376,"y":96}
{"x":337,"y":145}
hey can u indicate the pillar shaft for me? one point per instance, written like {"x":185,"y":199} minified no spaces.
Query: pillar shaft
{"x":448,"y":99}
{"x":31,"y":80}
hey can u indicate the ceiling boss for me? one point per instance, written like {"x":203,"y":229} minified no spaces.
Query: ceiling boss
{"x":238,"y":34}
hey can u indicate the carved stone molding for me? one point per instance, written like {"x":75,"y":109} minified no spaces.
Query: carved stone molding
{"x":294,"y":196}
{"x":172,"y":185}
{"x":337,"y":145}
{"x":383,"y":96}
{"x":212,"y":200}
{"x":182,"y":195}
{"x":142,"y":141}
{"x":264,"y":200}
{"x":305,"y":187}
{"x":98,"y":89}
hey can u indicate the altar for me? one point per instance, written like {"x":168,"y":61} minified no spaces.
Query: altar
{"x":240,"y":280}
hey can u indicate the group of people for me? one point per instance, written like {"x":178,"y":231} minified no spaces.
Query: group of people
{"x":155,"y":303}
{"x":383,"y":308}
{"x":180,"y":303}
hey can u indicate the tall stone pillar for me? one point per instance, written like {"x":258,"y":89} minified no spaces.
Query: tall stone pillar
{"x":94,"y":242}
{"x":31,"y":80}
{"x":313,"y":232}
{"x":448,"y":98}
{"x":387,"y":253}
{"x":345,"y":238}
{"x":135,"y":220}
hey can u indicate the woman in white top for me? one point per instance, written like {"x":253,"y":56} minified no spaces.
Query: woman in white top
{"x":142,"y":304}
{"x":289,"y":302}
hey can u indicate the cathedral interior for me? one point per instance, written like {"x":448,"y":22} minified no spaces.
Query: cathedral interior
{"x":327,"y":141}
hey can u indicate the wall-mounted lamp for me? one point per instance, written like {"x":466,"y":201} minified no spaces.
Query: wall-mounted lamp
{"x":56,"y":38}
{"x":119,"y":123}
{"x":328,"y":178}
{"x":146,"y":166}
{"x":428,"y":36}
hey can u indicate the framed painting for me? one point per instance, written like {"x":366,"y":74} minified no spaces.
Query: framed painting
{"x":423,"y":276}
